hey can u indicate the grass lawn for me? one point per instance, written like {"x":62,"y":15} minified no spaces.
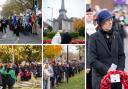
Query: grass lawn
{"x":81,"y":38}
{"x":46,"y":38}
{"x":76,"y":82}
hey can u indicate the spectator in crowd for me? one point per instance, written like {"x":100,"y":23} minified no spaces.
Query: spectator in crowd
{"x":56,"y":39}
{"x":90,"y":29}
{"x":66,"y":38}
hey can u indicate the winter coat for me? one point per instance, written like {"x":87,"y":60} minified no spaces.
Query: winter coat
{"x":101,"y":58}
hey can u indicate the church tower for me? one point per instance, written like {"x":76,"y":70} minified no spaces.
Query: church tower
{"x":63,"y":11}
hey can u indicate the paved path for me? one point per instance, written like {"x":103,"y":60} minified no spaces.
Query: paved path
{"x":31,"y":84}
{"x":10,"y":38}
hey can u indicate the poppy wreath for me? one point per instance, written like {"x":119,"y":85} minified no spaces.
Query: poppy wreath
{"x":106,"y":83}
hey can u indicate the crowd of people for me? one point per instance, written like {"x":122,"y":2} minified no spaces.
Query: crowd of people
{"x":59,"y":71}
{"x":105,"y":33}
{"x":27,"y":23}
{"x":9,"y":73}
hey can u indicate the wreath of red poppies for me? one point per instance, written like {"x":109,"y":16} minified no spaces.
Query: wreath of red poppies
{"x":106,"y":83}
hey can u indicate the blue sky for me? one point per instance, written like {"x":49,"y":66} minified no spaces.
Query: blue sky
{"x":75,"y":8}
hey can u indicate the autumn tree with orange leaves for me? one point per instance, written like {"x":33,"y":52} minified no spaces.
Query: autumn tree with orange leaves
{"x":78,"y":24}
{"x":51,"y":51}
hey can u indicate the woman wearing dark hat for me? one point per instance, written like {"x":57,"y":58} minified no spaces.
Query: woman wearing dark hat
{"x":105,"y":49}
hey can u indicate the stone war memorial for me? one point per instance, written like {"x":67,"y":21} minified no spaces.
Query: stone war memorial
{"x":63,"y":23}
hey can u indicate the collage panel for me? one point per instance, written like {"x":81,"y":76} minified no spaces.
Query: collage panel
{"x":63,"y":22}
{"x":63,"y":67}
{"x":20,"y":67}
{"x":20,"y":21}
{"x":21,"y":44}
{"x":106,"y":48}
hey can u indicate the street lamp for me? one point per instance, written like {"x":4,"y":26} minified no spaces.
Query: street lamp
{"x":13,"y":58}
{"x":67,"y":62}
{"x":51,"y":16}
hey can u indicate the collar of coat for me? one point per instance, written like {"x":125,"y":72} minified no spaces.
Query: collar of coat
{"x":101,"y":39}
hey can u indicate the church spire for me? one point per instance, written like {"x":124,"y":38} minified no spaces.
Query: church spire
{"x":62,"y":7}
{"x":62,"y":4}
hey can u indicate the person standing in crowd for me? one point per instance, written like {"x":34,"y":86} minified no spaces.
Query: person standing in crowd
{"x":11,"y":77}
{"x":16,"y":68}
{"x":34,"y":24}
{"x":56,"y":39}
{"x":14,"y":22}
{"x":4,"y":24}
{"x":40,"y":19}
{"x":66,"y":38}
{"x":26,"y":24}
{"x":90,"y":29}
{"x":105,"y":49}
{"x":1,"y":29}
{"x":30,"y":23}
{"x":46,"y":74}
{"x":8,"y":76}
{"x":118,"y":24}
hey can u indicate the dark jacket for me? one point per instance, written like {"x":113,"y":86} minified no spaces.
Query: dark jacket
{"x":101,"y":58}
{"x":88,"y":76}
{"x":66,"y":38}
{"x":87,"y":61}
{"x":117,"y":26}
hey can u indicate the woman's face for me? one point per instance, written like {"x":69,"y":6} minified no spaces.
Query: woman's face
{"x":46,"y":66}
{"x":107,"y":25}
{"x":9,"y":65}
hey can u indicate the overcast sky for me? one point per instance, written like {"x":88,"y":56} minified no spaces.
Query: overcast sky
{"x":1,"y":3}
{"x":71,"y":49}
{"x":75,"y":8}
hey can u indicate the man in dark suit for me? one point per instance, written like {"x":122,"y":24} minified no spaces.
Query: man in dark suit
{"x":104,"y":49}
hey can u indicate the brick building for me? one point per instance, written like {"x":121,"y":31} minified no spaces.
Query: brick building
{"x":109,"y":4}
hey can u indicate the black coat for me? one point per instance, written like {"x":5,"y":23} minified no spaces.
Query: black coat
{"x":66,"y":38}
{"x":88,"y":76}
{"x":87,"y":61}
{"x":101,"y":58}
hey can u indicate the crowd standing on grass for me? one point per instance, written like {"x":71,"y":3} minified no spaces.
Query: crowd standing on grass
{"x":9,"y":73}
{"x":59,"y":71}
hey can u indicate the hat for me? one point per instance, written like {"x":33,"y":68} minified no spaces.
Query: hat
{"x":89,"y":10}
{"x":103,"y":16}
